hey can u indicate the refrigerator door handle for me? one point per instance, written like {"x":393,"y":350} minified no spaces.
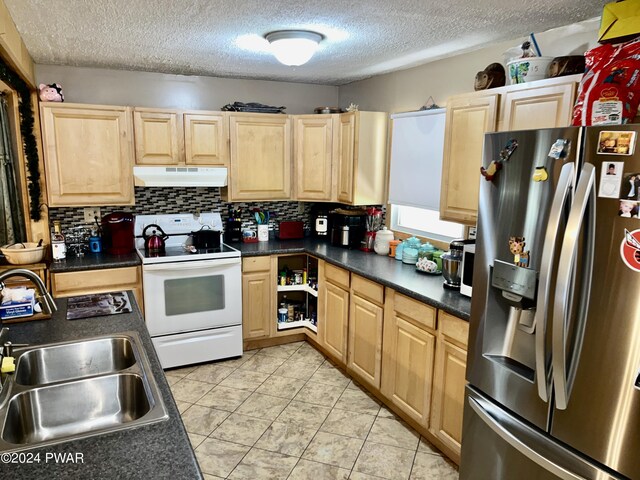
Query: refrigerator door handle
{"x":491,"y":417}
{"x":565,"y":286}
{"x":563,"y":191}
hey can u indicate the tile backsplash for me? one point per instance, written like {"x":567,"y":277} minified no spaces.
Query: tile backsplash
{"x":157,"y":200}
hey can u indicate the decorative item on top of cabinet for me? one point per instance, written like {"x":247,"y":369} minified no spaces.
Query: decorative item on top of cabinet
{"x":366,"y":314}
{"x":260,"y":161}
{"x":449,"y":382}
{"x":468,"y":118}
{"x":491,"y":77}
{"x":88,"y":153}
{"x":408,"y":355}
{"x":158,"y":136}
{"x":314,"y":157}
{"x":333,"y":310}
{"x":362,"y":158}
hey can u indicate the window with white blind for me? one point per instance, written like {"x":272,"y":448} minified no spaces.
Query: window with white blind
{"x":415,"y":175}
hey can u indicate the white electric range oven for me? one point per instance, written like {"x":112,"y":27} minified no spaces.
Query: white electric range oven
{"x":193,"y":300}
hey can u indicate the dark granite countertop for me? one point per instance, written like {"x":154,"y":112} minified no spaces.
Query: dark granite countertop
{"x":95,"y":261}
{"x":159,"y":450}
{"x":382,"y":269}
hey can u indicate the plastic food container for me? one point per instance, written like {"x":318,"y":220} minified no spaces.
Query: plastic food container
{"x":528,"y":69}
{"x":23,"y":253}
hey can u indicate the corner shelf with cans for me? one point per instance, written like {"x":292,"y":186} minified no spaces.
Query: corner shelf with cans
{"x":297,"y":292}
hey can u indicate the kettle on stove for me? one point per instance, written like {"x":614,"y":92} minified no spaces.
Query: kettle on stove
{"x":154,"y":243}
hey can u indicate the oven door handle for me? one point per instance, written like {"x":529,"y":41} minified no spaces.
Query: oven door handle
{"x":199,"y":265}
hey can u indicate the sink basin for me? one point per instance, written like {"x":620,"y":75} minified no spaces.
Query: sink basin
{"x":68,"y":361}
{"x":64,"y":410}
{"x":72,"y":390}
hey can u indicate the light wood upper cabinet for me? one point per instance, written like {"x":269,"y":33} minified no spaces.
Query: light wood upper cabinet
{"x":534,"y":108}
{"x":260,"y":162}
{"x":347,"y":139}
{"x":257,"y":297}
{"x":206,"y":139}
{"x":362,"y":158}
{"x":408,"y":355}
{"x":449,"y":382}
{"x":158,"y":135}
{"x":333,"y":310}
{"x":366,"y":315}
{"x":542,"y":104}
{"x":88,"y":153}
{"x":313,"y":153}
{"x":468,"y":119}
{"x":14,"y":49}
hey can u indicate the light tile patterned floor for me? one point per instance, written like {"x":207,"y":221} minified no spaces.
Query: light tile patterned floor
{"x":287,"y":412}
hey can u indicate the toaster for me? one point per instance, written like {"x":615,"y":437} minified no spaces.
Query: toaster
{"x":290,"y":229}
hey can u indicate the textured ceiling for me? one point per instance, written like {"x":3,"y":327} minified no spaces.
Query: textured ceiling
{"x":210,"y":37}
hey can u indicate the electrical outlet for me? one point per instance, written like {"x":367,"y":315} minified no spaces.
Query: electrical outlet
{"x":90,"y":213}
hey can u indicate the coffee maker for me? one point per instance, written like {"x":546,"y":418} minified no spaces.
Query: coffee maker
{"x":117,"y":233}
{"x":347,"y":228}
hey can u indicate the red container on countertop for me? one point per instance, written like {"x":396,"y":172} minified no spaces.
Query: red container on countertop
{"x":290,"y":230}
{"x":117,"y":233}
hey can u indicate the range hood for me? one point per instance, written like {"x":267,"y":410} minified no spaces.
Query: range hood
{"x":180,"y":176}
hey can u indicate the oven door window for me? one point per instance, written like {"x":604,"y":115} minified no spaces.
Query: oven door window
{"x":183,"y":296}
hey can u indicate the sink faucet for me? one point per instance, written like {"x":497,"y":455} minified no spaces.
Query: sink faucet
{"x":48,"y":305}
{"x":4,"y":337}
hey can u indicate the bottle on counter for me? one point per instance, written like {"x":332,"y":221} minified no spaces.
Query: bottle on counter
{"x":58,"y":247}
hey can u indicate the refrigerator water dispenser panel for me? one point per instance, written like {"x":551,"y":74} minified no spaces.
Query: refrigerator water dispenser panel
{"x":516,"y":280}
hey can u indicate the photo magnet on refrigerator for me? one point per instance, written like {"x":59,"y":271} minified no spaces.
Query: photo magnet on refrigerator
{"x":610,"y":179}
{"x":616,"y":143}
{"x":560,"y":149}
{"x":628,"y":209}
{"x":630,"y":189}
{"x":630,"y":249}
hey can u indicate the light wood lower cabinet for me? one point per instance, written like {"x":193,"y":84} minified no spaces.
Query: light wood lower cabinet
{"x":449,"y":381}
{"x":69,"y":284}
{"x":408,"y":355}
{"x":366,"y":315}
{"x":258,"y":294}
{"x":333,"y":310}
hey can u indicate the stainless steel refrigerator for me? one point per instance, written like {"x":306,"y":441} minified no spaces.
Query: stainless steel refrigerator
{"x":554,"y":342}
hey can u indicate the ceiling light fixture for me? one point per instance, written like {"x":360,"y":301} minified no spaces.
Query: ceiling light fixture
{"x":293,"y":47}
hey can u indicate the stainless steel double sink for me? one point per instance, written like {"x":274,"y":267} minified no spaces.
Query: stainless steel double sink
{"x":66,"y":391}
